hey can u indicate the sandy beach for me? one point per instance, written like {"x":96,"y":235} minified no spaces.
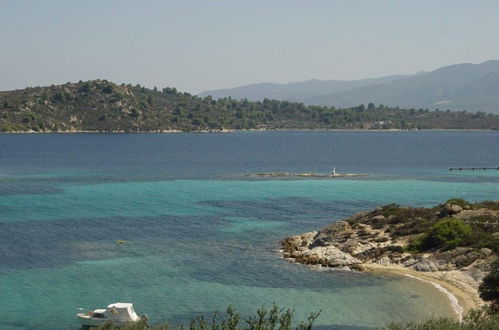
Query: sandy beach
{"x":459,"y":286}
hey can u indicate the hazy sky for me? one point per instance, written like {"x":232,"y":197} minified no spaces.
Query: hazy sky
{"x":196,"y":45}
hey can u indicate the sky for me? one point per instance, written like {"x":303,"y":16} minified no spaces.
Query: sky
{"x":197,"y":45}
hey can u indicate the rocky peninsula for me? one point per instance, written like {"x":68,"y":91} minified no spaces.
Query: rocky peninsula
{"x":306,"y":175}
{"x":452,"y":245}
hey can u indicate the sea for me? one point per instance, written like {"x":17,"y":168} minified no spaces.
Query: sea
{"x":179,"y":225}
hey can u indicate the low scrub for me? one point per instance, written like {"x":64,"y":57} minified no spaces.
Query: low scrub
{"x":477,"y":319}
{"x":274,"y":319}
{"x":493,"y":205}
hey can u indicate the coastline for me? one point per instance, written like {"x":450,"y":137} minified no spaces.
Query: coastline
{"x":460,"y":288}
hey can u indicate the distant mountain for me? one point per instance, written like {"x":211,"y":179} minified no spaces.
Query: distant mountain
{"x":471,"y":87}
{"x":296,"y":91}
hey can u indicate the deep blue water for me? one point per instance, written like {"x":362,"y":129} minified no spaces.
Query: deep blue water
{"x":199,"y":233}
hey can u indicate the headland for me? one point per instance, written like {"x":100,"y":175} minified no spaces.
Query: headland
{"x":451,"y":246}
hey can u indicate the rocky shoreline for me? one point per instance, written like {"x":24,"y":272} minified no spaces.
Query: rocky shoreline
{"x":379,"y":241}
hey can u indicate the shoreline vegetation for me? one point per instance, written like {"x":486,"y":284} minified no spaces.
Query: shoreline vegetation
{"x":102,"y":106}
{"x":477,"y":319}
{"x":452,"y":246}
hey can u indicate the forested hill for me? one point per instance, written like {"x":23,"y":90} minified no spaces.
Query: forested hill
{"x":103,"y":106}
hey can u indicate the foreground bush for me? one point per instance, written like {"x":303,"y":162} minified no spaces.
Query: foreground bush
{"x":478,"y":319}
{"x":273,"y":319}
{"x":483,"y":318}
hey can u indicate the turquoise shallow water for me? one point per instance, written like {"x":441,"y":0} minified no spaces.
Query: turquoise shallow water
{"x":197,"y":241}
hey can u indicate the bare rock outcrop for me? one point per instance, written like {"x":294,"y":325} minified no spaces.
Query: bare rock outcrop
{"x":381,"y":236}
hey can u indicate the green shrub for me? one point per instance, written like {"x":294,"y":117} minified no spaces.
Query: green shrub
{"x":447,"y":233}
{"x":58,"y":97}
{"x":395,"y":248}
{"x":417,"y":244}
{"x":458,"y":201}
{"x":389,"y":209}
{"x":489,"y":288}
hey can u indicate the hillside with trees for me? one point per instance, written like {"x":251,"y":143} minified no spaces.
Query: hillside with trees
{"x":102,"y":106}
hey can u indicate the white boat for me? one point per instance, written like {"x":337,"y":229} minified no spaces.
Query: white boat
{"x":118,"y":313}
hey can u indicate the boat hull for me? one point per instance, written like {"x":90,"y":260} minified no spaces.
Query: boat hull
{"x":89,"y":321}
